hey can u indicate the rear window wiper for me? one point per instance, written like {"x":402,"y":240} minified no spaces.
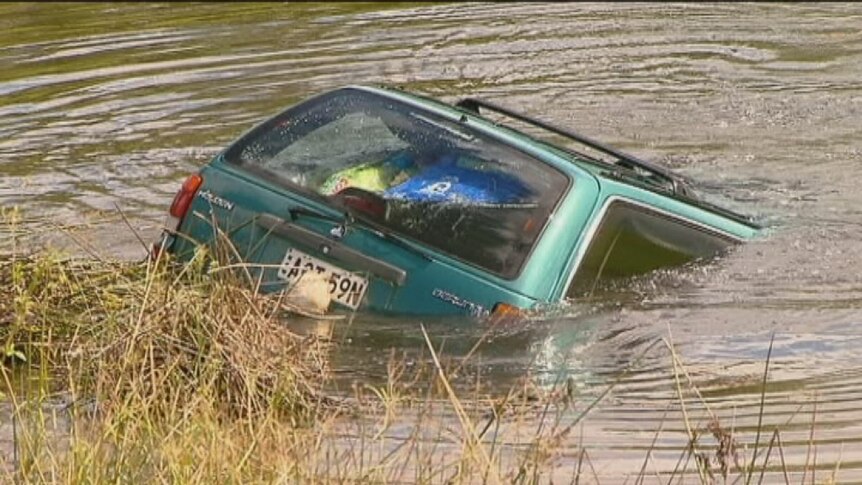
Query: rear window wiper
{"x":361,"y":204}
{"x":392,"y":238}
{"x":349,"y":220}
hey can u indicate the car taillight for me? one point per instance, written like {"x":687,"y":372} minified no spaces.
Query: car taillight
{"x":506,"y":313}
{"x":507,"y":309}
{"x":183,"y":200}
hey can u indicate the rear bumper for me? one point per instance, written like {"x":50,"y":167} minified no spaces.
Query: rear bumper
{"x":164,"y":243}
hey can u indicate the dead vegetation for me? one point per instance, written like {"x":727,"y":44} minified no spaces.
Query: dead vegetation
{"x":121,"y":372}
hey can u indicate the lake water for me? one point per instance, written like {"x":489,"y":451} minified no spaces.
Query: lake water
{"x":111,"y":105}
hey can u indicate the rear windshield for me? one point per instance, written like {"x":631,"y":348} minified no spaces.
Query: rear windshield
{"x":425,"y":177}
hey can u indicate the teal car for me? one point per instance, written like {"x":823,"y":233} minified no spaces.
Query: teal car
{"x":408,"y":205}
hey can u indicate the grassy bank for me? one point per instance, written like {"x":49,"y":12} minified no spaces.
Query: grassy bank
{"x":118,"y":372}
{"x":158,"y":356}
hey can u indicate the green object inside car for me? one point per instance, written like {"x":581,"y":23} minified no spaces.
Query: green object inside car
{"x":376,"y":176}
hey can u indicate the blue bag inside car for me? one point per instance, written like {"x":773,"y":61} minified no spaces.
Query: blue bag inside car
{"x":448,"y":182}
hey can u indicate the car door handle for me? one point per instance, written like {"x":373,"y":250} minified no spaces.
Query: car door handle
{"x":332,"y":249}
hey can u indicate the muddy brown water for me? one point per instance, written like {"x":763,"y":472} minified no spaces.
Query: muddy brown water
{"x":105,"y":105}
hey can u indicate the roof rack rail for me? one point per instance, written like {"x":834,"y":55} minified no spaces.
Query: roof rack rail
{"x":678,"y":184}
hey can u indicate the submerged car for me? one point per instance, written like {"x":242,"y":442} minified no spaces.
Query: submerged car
{"x":409,"y":205}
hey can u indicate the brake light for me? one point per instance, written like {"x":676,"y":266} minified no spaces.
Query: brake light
{"x":183,"y":199}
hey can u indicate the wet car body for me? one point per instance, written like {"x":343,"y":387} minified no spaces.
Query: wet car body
{"x":408,"y":205}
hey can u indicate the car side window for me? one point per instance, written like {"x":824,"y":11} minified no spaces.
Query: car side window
{"x":632,"y":239}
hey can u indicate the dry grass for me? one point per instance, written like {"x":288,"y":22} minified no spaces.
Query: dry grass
{"x":147,"y":372}
{"x":164,"y":373}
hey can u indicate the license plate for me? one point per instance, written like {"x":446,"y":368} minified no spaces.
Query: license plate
{"x":345,"y":287}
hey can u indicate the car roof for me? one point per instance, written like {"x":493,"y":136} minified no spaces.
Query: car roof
{"x":639,"y":173}
{"x":544,"y":151}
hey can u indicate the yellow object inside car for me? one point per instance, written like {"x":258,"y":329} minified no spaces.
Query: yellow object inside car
{"x":374,"y":176}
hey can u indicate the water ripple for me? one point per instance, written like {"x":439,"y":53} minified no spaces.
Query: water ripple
{"x":107,"y":104}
